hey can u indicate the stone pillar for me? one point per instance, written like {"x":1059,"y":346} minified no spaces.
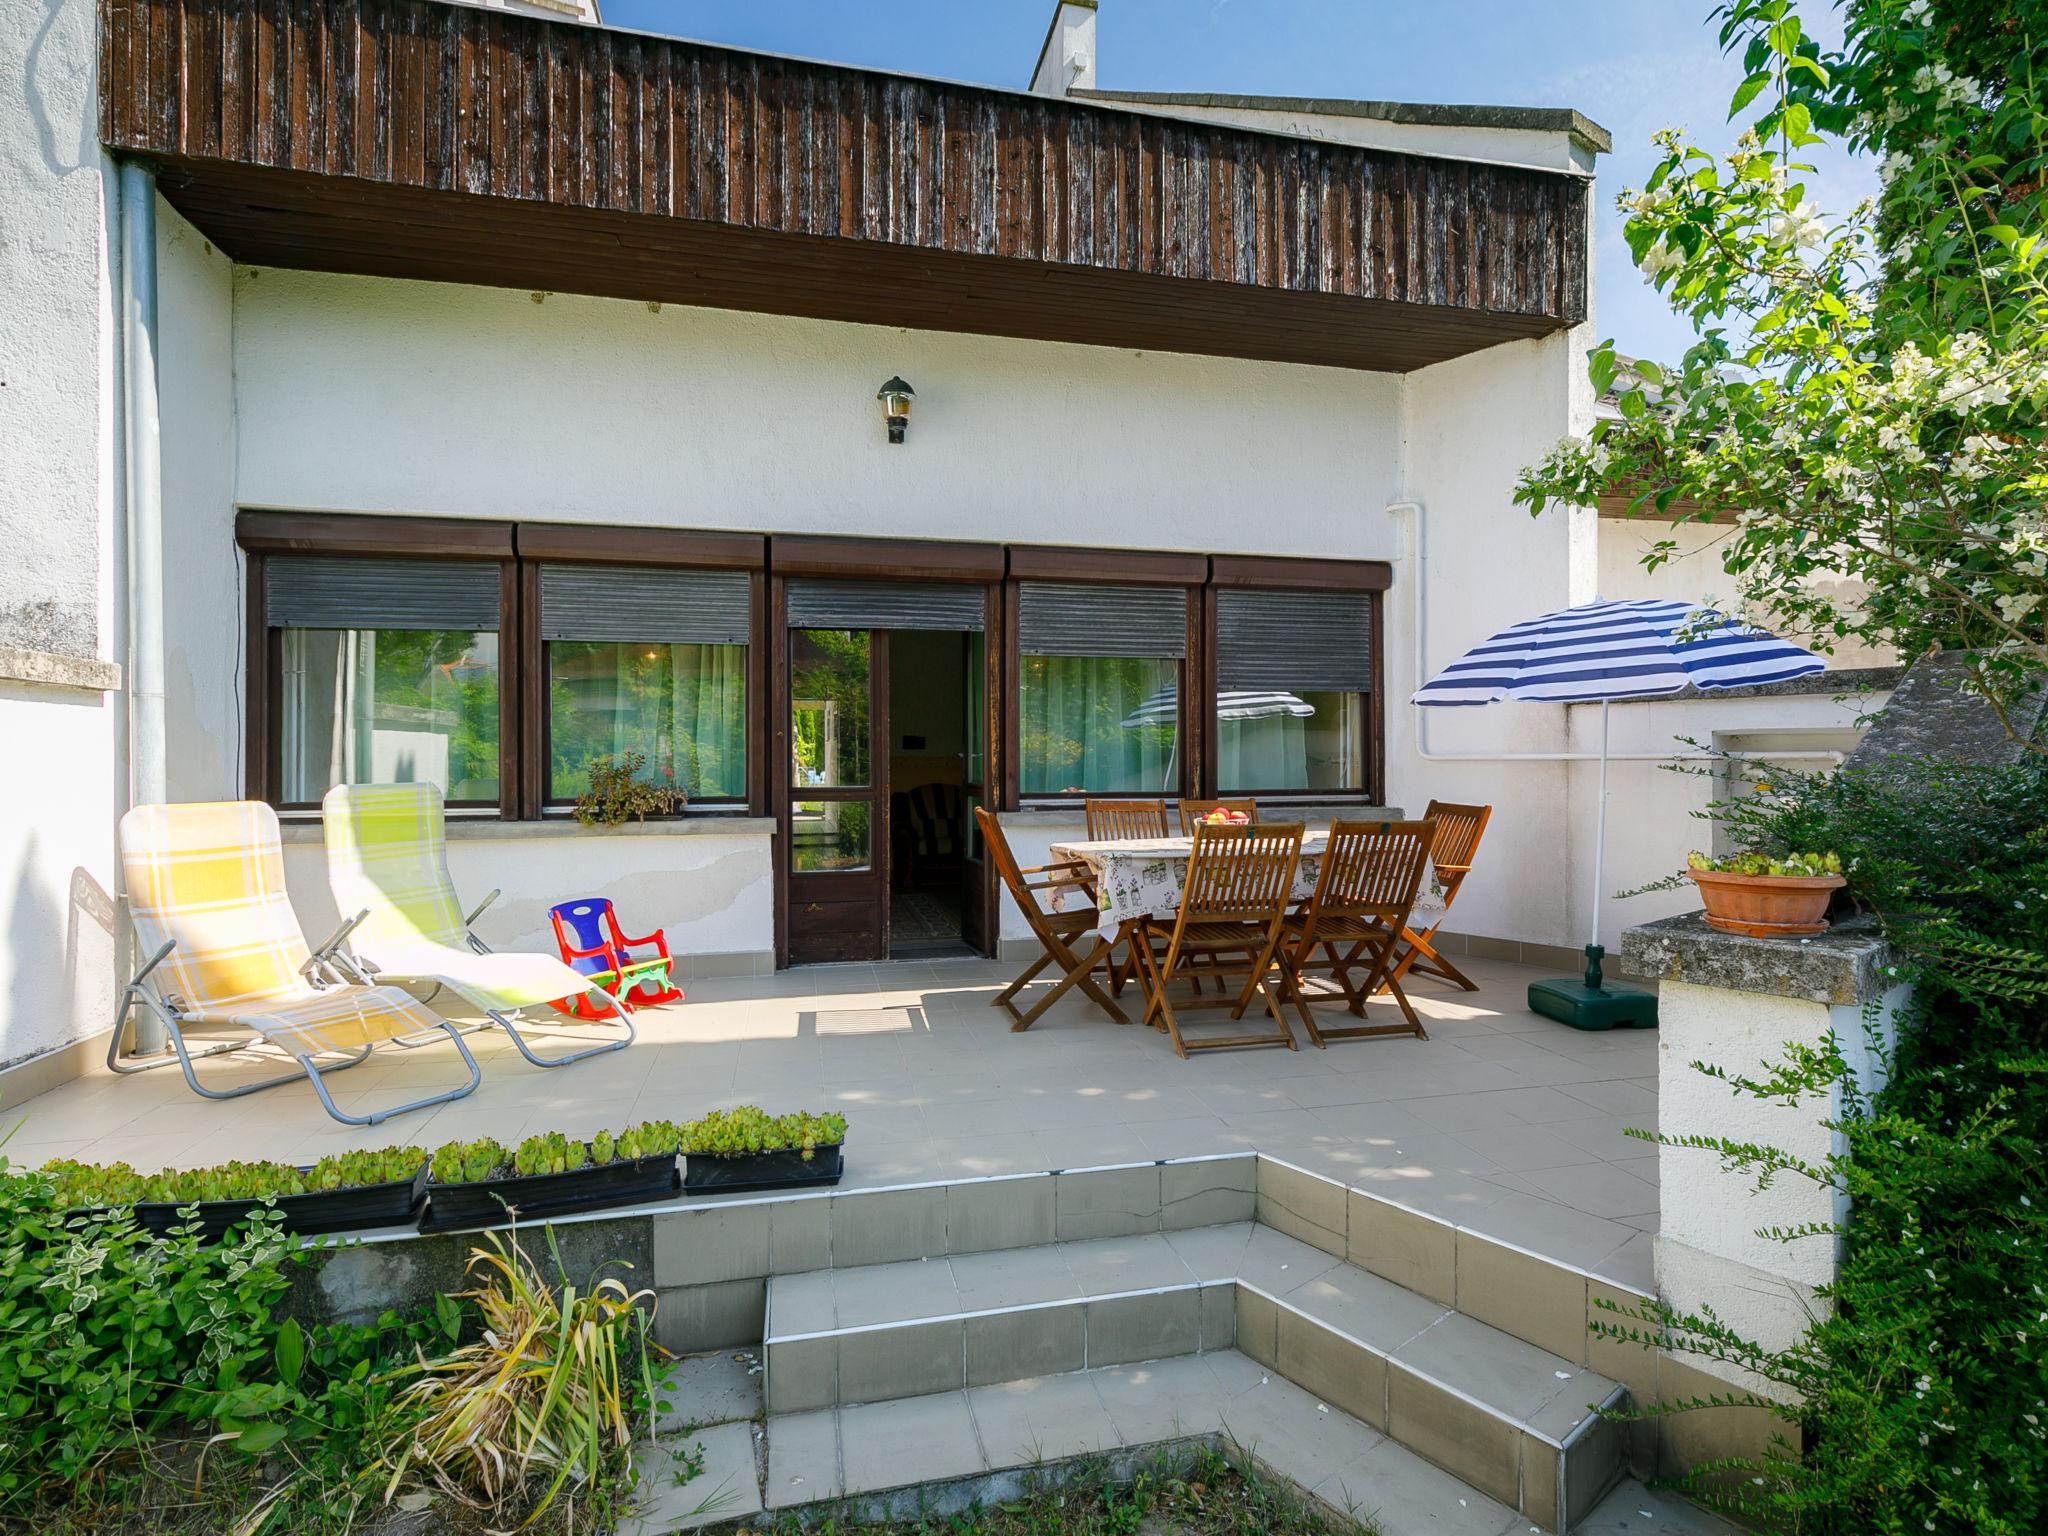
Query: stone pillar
{"x":1736,"y":1004}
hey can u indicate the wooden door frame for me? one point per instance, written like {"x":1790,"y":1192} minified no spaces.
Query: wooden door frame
{"x":994,"y":754}
{"x":995,"y":745}
{"x":876,"y":789}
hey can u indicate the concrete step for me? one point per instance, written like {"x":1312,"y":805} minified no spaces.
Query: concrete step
{"x":941,"y":1453}
{"x":844,"y":1336}
{"x":1507,"y":1417}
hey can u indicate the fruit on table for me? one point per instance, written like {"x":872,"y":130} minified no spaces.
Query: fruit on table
{"x":1225,"y":818}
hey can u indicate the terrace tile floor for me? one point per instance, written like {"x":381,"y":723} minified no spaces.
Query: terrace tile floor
{"x":1503,"y":1121}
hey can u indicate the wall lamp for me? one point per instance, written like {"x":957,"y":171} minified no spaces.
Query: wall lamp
{"x":896,"y":396}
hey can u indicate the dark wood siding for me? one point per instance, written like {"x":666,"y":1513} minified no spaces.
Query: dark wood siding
{"x":406,"y":138}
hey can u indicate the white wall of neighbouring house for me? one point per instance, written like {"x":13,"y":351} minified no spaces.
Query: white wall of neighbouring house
{"x":1541,"y":148}
{"x":1659,"y":810}
{"x":1692,"y":572}
{"x":58,"y":480}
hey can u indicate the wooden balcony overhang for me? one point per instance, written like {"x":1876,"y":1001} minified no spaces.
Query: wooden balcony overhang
{"x":407,"y":138}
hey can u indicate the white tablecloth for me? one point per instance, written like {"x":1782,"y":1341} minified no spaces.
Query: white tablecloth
{"x":1145,"y":877}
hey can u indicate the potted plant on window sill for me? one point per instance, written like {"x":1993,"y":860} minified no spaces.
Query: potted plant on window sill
{"x":616,"y":793}
{"x":1762,"y":897}
{"x":732,"y":1151}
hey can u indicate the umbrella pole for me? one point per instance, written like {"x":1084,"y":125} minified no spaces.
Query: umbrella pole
{"x":1593,"y":950}
{"x":1590,"y":1003}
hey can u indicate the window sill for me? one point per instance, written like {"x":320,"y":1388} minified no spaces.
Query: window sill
{"x":47,"y":669}
{"x":482,"y":830}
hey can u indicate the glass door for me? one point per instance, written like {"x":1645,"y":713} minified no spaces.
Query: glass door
{"x":838,"y":844}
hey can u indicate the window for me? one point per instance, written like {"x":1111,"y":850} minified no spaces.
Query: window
{"x":652,"y":661}
{"x":1099,"y":686}
{"x":1293,"y":680}
{"x":830,"y":749}
{"x":387,"y":671}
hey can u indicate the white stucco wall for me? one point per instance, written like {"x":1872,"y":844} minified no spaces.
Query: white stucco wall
{"x":1710,"y":1246}
{"x":202,"y":567}
{"x":360,"y":394}
{"x":56,"y":868}
{"x":58,"y":478}
{"x":707,"y":419}
{"x":713,"y":894}
{"x":1470,"y":425}
{"x":56,"y":333}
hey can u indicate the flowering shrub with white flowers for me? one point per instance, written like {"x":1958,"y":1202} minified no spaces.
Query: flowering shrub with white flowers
{"x":1867,"y":396}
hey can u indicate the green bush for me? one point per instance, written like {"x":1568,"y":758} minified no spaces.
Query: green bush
{"x":111,"y":1339}
{"x":1922,"y":1401}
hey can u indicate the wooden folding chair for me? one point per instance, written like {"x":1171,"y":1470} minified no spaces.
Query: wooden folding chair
{"x":1364,"y":891}
{"x":1458,"y":828}
{"x":1112,"y":820}
{"x":1115,"y":821}
{"x":1240,"y":880}
{"x":1192,"y":812}
{"x":1057,"y":932}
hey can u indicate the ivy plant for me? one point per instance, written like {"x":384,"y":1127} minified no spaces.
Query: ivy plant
{"x":1918,"y":1401}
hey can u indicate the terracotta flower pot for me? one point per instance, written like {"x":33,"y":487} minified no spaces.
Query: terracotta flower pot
{"x":1766,"y":906}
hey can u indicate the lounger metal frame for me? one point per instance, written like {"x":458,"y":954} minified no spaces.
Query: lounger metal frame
{"x":142,"y":992}
{"x":355,"y":968}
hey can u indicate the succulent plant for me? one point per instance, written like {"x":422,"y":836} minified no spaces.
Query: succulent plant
{"x":740,"y":1132}
{"x":723,"y":1133}
{"x":1799,"y":865}
{"x":469,"y":1162}
{"x":89,"y":1184}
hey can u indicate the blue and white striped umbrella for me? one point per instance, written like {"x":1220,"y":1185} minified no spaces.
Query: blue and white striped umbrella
{"x":1163,"y":708}
{"x":1637,"y":648}
{"x":1599,"y":652}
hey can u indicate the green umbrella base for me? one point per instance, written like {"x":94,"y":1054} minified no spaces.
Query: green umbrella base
{"x":1590,"y":1003}
{"x":1583,"y":1007}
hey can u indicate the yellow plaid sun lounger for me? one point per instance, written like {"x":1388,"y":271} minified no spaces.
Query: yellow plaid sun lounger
{"x":387,"y":857}
{"x":207,"y":894}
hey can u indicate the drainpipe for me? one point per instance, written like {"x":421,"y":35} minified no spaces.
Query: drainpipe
{"x":142,"y":511}
{"x":1418,"y":549}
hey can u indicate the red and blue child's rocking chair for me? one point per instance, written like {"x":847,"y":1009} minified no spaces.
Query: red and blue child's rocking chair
{"x":588,"y":934}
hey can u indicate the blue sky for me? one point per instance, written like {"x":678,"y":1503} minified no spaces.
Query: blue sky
{"x":1633,"y":66}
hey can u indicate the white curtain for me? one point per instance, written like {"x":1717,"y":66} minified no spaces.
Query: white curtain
{"x":1073,"y":735}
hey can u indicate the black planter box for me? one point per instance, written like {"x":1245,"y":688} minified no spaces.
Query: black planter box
{"x":537,"y":1196}
{"x":319,"y":1211}
{"x":762,"y":1170}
